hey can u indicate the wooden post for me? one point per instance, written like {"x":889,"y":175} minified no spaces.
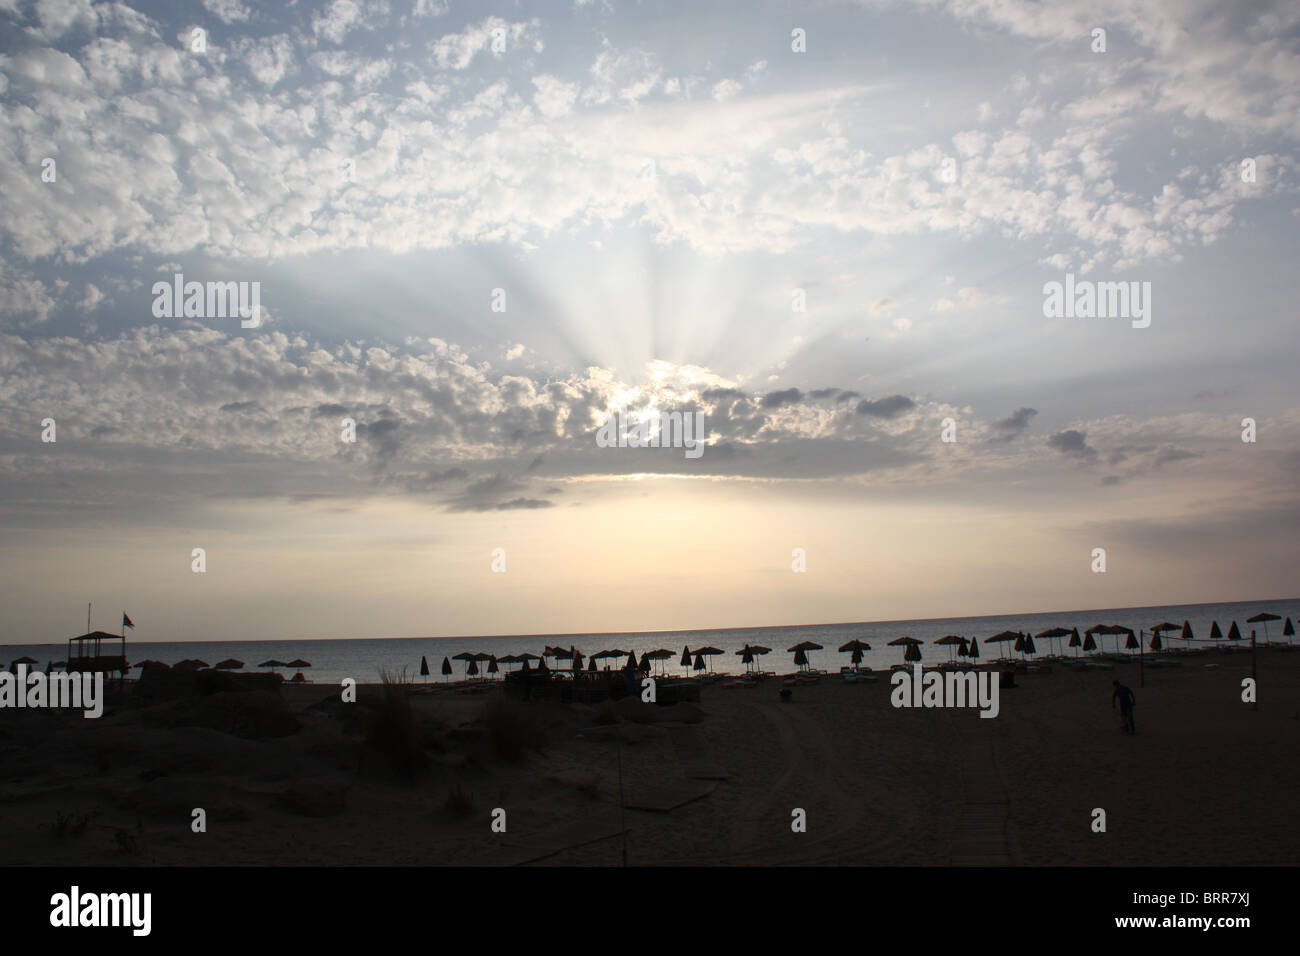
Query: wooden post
{"x":1253,"y":676}
{"x":1142,"y":659}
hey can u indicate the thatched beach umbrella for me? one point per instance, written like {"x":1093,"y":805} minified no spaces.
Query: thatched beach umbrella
{"x":1233,"y":633}
{"x":1162,"y":627}
{"x":908,"y":642}
{"x":298,"y":663}
{"x":1054,"y":633}
{"x":273,"y":663}
{"x":659,"y":655}
{"x":856,"y":648}
{"x":805,"y":646}
{"x":1263,"y":618}
{"x":230,"y":664}
{"x":951,"y":641}
{"x":710,"y":652}
{"x":1003,"y":638}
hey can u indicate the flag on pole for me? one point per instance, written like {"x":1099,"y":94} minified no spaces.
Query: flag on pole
{"x":126,"y":621}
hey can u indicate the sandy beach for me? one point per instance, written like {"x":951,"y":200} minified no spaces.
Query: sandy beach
{"x":1207,"y":779}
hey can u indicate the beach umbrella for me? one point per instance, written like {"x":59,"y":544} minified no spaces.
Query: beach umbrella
{"x":1002,"y":638}
{"x":1187,"y":632}
{"x":189,"y":664}
{"x":577,"y":658}
{"x":523,"y":662}
{"x":1162,"y":628}
{"x":229,"y":664}
{"x":591,"y":664}
{"x":1288,"y":629}
{"x":631,"y":660}
{"x":952,"y":640}
{"x":492,"y":666}
{"x":913,"y":652}
{"x":1074,"y":640}
{"x":463,"y":656}
{"x":446,"y":667}
{"x":1054,"y":633}
{"x":974,"y":649}
{"x":1233,"y":633}
{"x":1263,"y":618}
{"x":273,"y":663}
{"x":1156,"y":643}
{"x":710,"y":652}
{"x":699,"y":662}
{"x":23,"y":660}
{"x":659,"y":655}
{"x":1088,"y":643}
{"x":686,"y":657}
{"x":1132,"y":643}
{"x":298,"y":663}
{"x":1030,"y":646}
{"x":541,"y":664}
{"x":525,"y":657}
{"x":805,"y":646}
{"x":1215,"y":633}
{"x":424,"y":666}
{"x":746,"y":658}
{"x":472,"y":669}
{"x":800,"y":658}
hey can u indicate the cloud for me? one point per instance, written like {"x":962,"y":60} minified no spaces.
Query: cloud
{"x":1014,"y":424}
{"x":1073,"y":443}
{"x":890,"y":407}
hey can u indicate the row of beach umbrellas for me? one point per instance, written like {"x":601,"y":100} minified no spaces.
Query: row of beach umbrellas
{"x":1022,"y":642}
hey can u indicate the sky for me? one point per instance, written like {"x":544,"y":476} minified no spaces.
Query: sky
{"x":478,"y":231}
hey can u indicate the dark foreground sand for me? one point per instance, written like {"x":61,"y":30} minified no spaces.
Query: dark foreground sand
{"x":1207,"y":781}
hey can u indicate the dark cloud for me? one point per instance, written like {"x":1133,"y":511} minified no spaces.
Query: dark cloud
{"x":1072,"y":442}
{"x":890,"y":407}
{"x":329,"y":409}
{"x":1014,"y":424}
{"x":241,"y":407}
{"x":788,"y":396}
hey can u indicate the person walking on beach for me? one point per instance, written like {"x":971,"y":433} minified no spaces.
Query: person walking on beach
{"x":1126,"y":699}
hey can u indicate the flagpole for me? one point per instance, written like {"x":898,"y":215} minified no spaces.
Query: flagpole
{"x":87,"y":617}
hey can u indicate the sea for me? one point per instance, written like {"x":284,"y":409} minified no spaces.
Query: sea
{"x":364,"y":659}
